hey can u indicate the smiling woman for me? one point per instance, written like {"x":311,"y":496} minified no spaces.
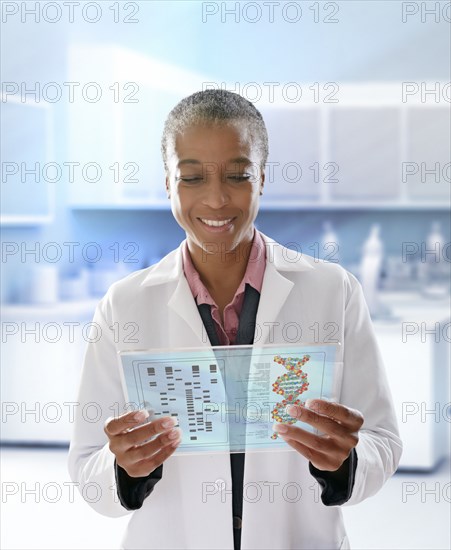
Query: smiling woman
{"x":225,"y":278}
{"x":215,"y":199}
{"x":214,"y":148}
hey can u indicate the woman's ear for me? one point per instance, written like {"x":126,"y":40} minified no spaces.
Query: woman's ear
{"x":168,"y":188}
{"x":262,"y":183}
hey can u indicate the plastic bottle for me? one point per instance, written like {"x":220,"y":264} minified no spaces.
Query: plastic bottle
{"x":437,"y":283}
{"x":329,"y":243}
{"x":370,"y":268}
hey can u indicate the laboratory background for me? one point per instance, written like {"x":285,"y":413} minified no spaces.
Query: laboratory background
{"x":356,"y":97}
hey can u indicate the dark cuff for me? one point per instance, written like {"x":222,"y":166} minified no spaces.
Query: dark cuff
{"x":337,"y":486}
{"x":133,"y":490}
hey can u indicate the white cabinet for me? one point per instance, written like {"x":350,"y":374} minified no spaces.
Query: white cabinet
{"x":417,"y":361}
{"x":28,"y":167}
{"x":295,"y":153}
{"x":365,"y":143}
{"x":367,"y":149}
{"x":41,"y":359}
{"x":428,"y":153}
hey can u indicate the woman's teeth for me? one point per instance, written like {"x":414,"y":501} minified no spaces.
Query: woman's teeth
{"x":215,"y":223}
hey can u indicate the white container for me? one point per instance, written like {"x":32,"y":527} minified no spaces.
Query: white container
{"x":370,"y":268}
{"x":44,"y":287}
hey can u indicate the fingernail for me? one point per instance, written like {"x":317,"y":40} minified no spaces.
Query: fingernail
{"x":141,"y":415}
{"x":292,"y":410}
{"x":280,"y":428}
{"x":169,"y":423}
{"x":174,"y":433}
{"x":312,"y":404}
{"x":179,"y":438}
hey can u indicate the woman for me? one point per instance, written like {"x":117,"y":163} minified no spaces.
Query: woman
{"x":214,"y":150}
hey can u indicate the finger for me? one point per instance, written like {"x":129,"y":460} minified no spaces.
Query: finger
{"x":351,"y":418}
{"x":319,"y":460}
{"x":142,"y":433}
{"x":130,"y":422}
{"x":314,"y":442}
{"x":314,"y":419}
{"x":116,"y":425}
{"x":325,"y":424}
{"x":303,"y":449}
{"x":146,"y":450}
{"x":322,"y":451}
{"x":145,"y":467}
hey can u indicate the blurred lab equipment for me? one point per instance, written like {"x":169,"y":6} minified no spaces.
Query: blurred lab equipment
{"x":436,"y":281}
{"x":370,"y":269}
{"x":330,"y":247}
{"x":75,"y":287}
{"x":44,"y":285}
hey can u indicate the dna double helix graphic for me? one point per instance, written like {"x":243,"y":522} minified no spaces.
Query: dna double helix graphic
{"x":290,"y":386}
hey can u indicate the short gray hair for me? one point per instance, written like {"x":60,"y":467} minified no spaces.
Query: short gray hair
{"x":219,"y":107}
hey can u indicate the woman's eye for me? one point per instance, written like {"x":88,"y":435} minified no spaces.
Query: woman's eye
{"x":190,"y":179}
{"x":235,"y":178}
{"x":242,"y":177}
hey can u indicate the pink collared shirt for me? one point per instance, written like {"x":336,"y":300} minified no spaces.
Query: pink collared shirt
{"x":255,"y":271}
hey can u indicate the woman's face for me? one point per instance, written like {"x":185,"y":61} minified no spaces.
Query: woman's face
{"x":214,"y":182}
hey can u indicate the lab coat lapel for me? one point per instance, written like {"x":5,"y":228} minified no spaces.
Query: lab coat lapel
{"x":276,"y":287}
{"x":275,"y":291}
{"x":184,"y":305}
{"x":169,"y":271}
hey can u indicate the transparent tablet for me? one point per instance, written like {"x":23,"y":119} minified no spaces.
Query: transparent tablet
{"x":226,"y":399}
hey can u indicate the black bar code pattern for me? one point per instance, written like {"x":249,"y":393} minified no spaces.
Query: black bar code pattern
{"x":187,"y":385}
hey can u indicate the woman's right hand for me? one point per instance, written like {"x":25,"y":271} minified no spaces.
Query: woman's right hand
{"x":128,"y":441}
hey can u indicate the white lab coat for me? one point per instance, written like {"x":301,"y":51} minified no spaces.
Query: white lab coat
{"x":191,"y":507}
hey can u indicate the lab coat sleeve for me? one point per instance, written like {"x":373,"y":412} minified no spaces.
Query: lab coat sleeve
{"x":336,"y":486}
{"x":365,"y":388}
{"x":90,"y":461}
{"x":132,"y":491}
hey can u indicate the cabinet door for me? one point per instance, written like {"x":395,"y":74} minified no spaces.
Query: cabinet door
{"x":427,"y":167}
{"x":28,"y":171}
{"x":40,"y":373}
{"x":412,"y":375}
{"x":365,"y":143}
{"x":294,"y":166}
{"x":117,"y":149}
{"x":141,"y":171}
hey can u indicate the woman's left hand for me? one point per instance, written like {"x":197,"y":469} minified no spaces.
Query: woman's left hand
{"x":339,"y":425}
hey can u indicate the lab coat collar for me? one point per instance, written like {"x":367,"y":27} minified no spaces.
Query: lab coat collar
{"x":170,"y":268}
{"x":284,"y":259}
{"x":275,"y":289}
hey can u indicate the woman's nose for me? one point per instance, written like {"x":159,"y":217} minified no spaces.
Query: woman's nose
{"x":216,"y":193}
